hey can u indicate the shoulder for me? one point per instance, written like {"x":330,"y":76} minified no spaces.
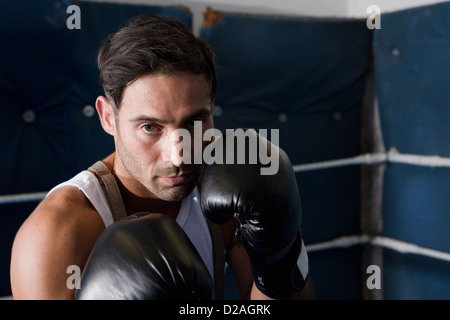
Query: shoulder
{"x":65,"y":213}
{"x":66,"y":206}
{"x":60,"y":232}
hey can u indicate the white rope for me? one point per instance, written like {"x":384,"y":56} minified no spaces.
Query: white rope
{"x":366,"y":159}
{"x":385,"y":242}
{"x":341,"y":243}
{"x":377,"y":158}
{"x":418,"y":160}
{"x":22,"y":197}
{"x":405,"y":247}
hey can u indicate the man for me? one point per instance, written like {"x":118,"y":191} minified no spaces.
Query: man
{"x":158,"y":78}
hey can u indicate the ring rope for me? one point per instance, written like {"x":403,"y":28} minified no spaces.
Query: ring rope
{"x":22,"y":197}
{"x":385,"y":242}
{"x":392,"y":156}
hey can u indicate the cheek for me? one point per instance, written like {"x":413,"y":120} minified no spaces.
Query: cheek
{"x":132,"y":137}
{"x":138,"y":145}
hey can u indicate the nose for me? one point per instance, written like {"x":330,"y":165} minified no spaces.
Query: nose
{"x":176,"y":147}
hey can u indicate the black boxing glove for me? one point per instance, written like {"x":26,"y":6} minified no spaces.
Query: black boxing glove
{"x":267,"y":209}
{"x":145,"y":257}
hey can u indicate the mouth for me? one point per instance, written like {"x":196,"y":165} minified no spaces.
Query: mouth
{"x":177,"y":179}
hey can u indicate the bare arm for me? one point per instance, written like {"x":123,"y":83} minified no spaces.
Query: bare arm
{"x":61,"y":232}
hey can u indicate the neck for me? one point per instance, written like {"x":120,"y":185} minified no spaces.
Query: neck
{"x":135,"y":203}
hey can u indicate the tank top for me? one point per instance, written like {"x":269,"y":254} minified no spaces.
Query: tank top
{"x":190,"y":217}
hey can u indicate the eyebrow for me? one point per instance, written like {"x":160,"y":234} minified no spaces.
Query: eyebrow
{"x":145,"y":118}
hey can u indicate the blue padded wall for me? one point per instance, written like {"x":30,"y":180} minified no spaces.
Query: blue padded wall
{"x":34,"y":89}
{"x":412,"y":72}
{"x":35,"y":79}
{"x":48,"y":75}
{"x":306,"y":78}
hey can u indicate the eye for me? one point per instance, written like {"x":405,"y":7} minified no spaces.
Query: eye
{"x":150,"y":128}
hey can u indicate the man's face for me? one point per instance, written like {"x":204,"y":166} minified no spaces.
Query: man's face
{"x":153,"y":108}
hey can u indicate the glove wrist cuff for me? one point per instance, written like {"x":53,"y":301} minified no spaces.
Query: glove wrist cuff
{"x":278,"y":280}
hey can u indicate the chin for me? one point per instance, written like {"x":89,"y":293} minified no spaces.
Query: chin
{"x":175,"y":194}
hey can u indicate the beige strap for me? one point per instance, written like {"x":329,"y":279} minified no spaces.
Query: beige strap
{"x":110,"y":189}
{"x":216,"y":232}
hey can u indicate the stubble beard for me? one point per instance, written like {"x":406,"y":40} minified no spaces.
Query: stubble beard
{"x":176,"y":192}
{"x":150,"y":183}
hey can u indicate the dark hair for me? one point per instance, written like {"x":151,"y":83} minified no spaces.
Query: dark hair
{"x":152,"y":45}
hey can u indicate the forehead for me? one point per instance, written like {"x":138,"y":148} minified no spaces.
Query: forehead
{"x":161,"y":94}
{"x":168,"y":98}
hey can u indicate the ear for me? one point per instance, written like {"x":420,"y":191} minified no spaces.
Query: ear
{"x":106,"y":114}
